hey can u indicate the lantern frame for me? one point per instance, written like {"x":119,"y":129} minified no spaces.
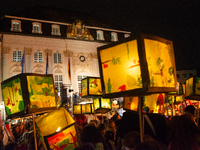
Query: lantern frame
{"x":90,"y":108}
{"x":102,"y":110}
{"x":25,"y":94}
{"x":146,"y":88}
{"x":88,"y":94}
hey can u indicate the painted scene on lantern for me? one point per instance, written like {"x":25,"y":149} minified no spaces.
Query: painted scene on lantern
{"x":41,"y":92}
{"x":95,"y":86}
{"x":161,"y":63}
{"x":197,"y":85}
{"x":84,"y":87}
{"x":189,"y":87}
{"x":65,"y":140}
{"x":12,"y":95}
{"x":105,"y":103}
{"x":121,"y":67}
{"x":89,"y":108}
{"x":151,"y":102}
{"x":77,"y":109}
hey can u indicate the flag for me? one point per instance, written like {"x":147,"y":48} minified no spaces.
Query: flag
{"x":23,"y":61}
{"x":47,"y":63}
{"x":69,"y":71}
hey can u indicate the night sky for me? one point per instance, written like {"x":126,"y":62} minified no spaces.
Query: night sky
{"x":173,"y":20}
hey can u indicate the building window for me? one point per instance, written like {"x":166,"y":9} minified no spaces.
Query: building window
{"x":126,"y":35}
{"x":37,"y":28}
{"x":57,"y":57}
{"x":58,"y":81}
{"x":17,"y":56}
{"x":38,"y":57}
{"x":16,"y":25}
{"x":55,"y":30}
{"x":178,"y":76}
{"x":79,"y":78}
{"x":190,"y":74}
{"x":184,"y":75}
{"x":114,"y":37}
{"x":100,"y":35}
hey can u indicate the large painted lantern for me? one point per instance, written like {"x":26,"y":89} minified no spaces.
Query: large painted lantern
{"x":102,"y":105}
{"x":192,"y":88}
{"x":139,"y":65}
{"x":91,"y":87}
{"x":57,"y":130}
{"x":28,"y":93}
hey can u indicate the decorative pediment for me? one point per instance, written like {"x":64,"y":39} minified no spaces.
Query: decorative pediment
{"x":58,"y":69}
{"x":68,"y":53}
{"x":38,"y":69}
{"x":28,"y":51}
{"x":78,"y":31}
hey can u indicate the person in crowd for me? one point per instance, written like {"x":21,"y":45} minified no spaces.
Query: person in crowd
{"x":131,"y":139}
{"x":11,"y":146}
{"x":87,"y":146}
{"x":150,"y":145}
{"x":16,"y":132}
{"x":90,"y":134}
{"x":110,"y":134}
{"x":1,"y":137}
{"x":102,"y":129}
{"x":190,"y":109}
{"x":186,"y":134}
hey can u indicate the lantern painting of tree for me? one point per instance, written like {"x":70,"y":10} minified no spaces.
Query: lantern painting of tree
{"x":138,"y":66}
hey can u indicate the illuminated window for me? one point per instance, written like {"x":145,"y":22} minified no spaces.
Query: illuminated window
{"x":37,"y":28}
{"x":17,"y":55}
{"x":79,"y":78}
{"x":126,"y":35}
{"x":58,"y":81}
{"x":114,"y":37}
{"x":16,"y":25}
{"x":57,"y":57}
{"x":38,"y":57}
{"x":55,"y":30}
{"x":100,"y":35}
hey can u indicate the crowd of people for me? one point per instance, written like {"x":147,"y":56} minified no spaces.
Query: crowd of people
{"x":176,"y":133}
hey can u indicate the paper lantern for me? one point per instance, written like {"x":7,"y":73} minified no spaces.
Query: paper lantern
{"x":91,"y":87}
{"x":102,"y":105}
{"x":57,"y":130}
{"x":77,"y":109}
{"x":28,"y":93}
{"x":192,"y":88}
{"x":131,"y":103}
{"x":139,"y":65}
{"x":89,"y":108}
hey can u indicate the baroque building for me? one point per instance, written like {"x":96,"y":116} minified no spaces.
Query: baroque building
{"x":70,"y":40}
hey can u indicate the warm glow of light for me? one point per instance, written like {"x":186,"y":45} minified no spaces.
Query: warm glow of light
{"x":58,"y":129}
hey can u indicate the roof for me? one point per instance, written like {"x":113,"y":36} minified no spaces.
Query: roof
{"x":61,"y":15}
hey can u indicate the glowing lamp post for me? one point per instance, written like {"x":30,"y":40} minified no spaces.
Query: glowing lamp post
{"x":139,"y":66}
{"x":28,"y":93}
{"x":91,"y":87}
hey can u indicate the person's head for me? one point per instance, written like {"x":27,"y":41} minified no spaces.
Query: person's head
{"x":190,"y":109}
{"x":16,"y":128}
{"x":1,"y":134}
{"x":90,"y":134}
{"x":131,"y":139}
{"x":102,"y":128}
{"x":111,"y":125}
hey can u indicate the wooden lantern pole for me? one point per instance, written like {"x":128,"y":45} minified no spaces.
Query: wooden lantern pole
{"x":35,"y":137}
{"x":198,"y":113}
{"x":141,"y":117}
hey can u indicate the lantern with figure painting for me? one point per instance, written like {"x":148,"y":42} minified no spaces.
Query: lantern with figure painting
{"x":91,"y":87}
{"x":28,"y":93}
{"x":192,"y":88}
{"x":57,"y":130}
{"x":137,"y":66}
{"x":102,"y":105}
{"x":77,"y":109}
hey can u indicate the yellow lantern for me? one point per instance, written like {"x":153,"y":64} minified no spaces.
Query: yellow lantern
{"x":57,"y":130}
{"x":141,"y":65}
{"x":192,"y":88}
{"x":102,"y":105}
{"x":28,"y":93}
{"x":77,"y":109}
{"x":89,"y":108}
{"x":91,"y":87}
{"x":131,"y":103}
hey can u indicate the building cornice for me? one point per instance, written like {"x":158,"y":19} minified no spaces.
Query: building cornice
{"x":61,"y":23}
